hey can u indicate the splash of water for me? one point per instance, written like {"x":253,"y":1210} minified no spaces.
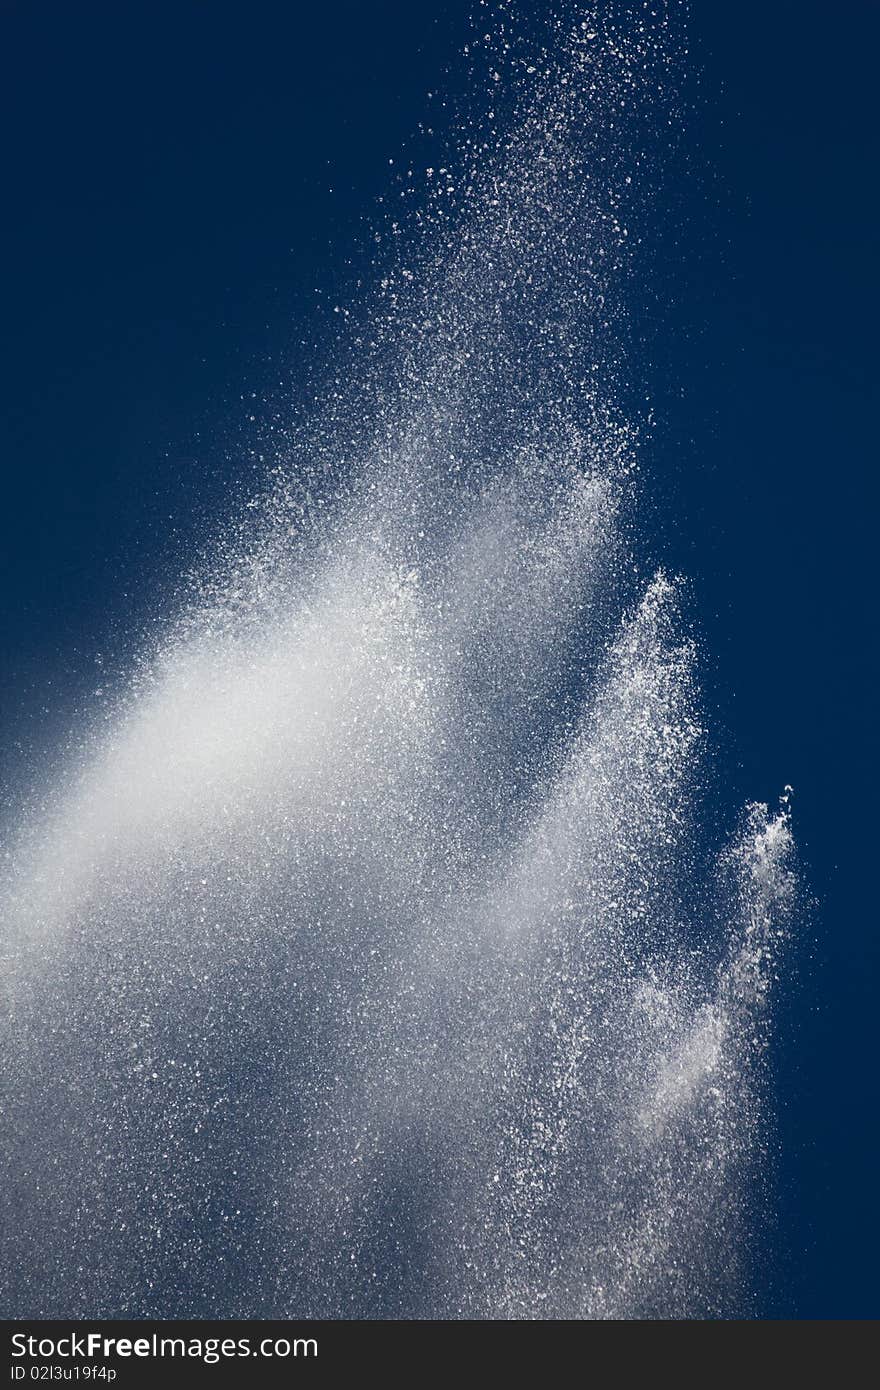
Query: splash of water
{"x":370,"y":964}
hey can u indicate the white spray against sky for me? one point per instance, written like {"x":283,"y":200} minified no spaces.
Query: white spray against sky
{"x":371,"y":962}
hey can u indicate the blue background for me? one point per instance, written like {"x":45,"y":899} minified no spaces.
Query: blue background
{"x":180,"y":180}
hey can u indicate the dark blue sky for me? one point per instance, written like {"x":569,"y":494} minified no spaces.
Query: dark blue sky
{"x":168,"y":173}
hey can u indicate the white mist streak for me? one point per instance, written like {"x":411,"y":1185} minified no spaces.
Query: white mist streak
{"x":368,"y":965}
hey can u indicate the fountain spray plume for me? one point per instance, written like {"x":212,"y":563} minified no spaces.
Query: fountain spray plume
{"x":371,"y":962}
